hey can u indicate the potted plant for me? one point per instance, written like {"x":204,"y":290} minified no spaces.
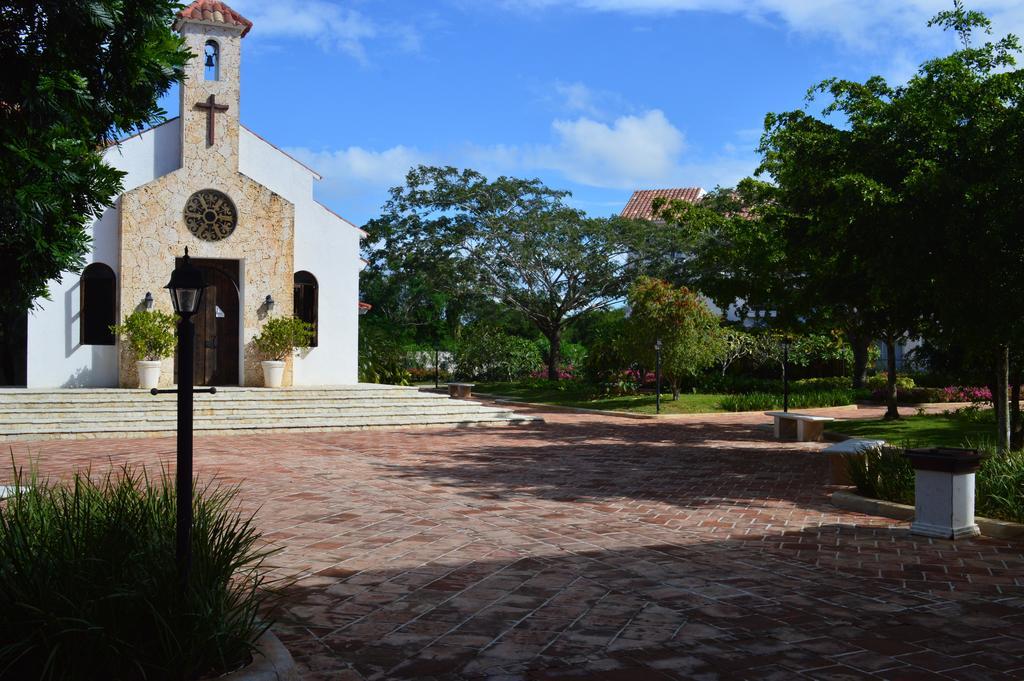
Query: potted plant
{"x":279,"y":339}
{"x":150,"y":338}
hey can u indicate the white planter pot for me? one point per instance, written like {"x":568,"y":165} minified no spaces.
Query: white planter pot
{"x":149,"y":374}
{"x":273,"y":373}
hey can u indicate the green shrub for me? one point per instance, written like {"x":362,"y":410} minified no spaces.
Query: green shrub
{"x":89,"y":587}
{"x":885,"y":473}
{"x":881,"y":380}
{"x":738,"y":384}
{"x":999,"y":486}
{"x":882,"y":473}
{"x":488,"y":354}
{"x":149,"y":334}
{"x":381,"y":359}
{"x":281,"y":335}
{"x":798,"y":400}
{"x":573,"y":355}
{"x":824,"y":383}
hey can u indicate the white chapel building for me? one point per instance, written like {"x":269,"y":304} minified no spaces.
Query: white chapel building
{"x":246,"y":212}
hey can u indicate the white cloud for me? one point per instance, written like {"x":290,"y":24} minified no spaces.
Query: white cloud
{"x":353,"y":171}
{"x":329,"y":25}
{"x":631,"y":151}
{"x":861,"y":24}
{"x":577,"y":97}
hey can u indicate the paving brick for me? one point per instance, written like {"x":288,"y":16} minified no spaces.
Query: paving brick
{"x":595,"y":548}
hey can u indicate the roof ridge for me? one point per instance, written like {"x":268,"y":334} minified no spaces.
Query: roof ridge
{"x":213,"y":12}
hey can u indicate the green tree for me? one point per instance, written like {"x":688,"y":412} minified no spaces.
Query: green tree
{"x":508,"y":240}
{"x":691,"y":335}
{"x":961,"y":115}
{"x":487,"y":353}
{"x":76,"y":75}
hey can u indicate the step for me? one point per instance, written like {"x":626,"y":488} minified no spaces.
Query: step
{"x":214,"y":414}
{"x":277,"y":426}
{"x":95,"y":413}
{"x":224,"y":406}
{"x":8,"y":396}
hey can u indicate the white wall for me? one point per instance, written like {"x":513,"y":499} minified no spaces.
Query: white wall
{"x":55,"y":356}
{"x":327,"y":247}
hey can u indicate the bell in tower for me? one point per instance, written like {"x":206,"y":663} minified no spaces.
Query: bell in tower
{"x":210,"y":92}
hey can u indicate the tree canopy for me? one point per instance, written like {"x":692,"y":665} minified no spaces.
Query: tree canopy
{"x":689,"y":332}
{"x":510,"y":240}
{"x":76,"y":76}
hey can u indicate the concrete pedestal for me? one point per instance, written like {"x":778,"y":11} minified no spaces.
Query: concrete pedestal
{"x":944,"y":492}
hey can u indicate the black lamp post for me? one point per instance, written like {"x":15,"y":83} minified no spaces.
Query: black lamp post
{"x":786,"y":341}
{"x":186,"y":289}
{"x":657,"y":376}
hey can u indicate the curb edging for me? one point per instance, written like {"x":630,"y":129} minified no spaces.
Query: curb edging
{"x":850,"y":501}
{"x":271,"y":662}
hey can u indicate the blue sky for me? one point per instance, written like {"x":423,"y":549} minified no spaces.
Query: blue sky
{"x":596,"y":96}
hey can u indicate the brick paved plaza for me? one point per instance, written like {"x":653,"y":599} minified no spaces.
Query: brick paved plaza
{"x":598,"y":548}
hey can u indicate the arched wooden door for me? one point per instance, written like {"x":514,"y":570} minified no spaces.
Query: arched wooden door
{"x":217,"y":351}
{"x":14,"y":350}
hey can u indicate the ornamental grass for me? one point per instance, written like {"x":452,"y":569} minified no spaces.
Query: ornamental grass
{"x":805,"y":399}
{"x":885,"y":473}
{"x":89,"y":587}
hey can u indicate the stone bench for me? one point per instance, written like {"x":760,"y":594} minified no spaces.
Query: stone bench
{"x":800,"y":427}
{"x":460,"y":390}
{"x":837,"y":454}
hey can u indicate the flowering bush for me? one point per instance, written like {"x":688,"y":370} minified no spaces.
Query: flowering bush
{"x":565,"y":373}
{"x":951,"y":393}
{"x":962,"y":393}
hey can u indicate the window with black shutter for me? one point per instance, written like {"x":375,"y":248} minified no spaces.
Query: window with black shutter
{"x":306,"y":301}
{"x":98,"y":305}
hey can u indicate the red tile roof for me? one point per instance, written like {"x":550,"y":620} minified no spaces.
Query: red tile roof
{"x":639,"y":205}
{"x":214,"y":12}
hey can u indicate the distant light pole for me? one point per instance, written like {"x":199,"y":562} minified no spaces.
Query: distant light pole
{"x":186,"y":289}
{"x":786,"y":341}
{"x":657,"y":376}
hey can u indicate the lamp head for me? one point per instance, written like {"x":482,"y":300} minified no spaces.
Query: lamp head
{"x":186,"y":287}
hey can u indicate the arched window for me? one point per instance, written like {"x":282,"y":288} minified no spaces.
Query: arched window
{"x":98,"y":305}
{"x":212,"y":60}
{"x":306,"y":295}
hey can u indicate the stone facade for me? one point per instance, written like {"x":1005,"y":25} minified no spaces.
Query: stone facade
{"x":153,"y":231}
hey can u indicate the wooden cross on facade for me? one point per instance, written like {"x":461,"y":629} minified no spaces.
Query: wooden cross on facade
{"x":212,"y":109}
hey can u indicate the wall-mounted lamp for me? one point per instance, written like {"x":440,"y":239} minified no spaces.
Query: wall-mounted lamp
{"x":147,"y":302}
{"x":268,"y":302}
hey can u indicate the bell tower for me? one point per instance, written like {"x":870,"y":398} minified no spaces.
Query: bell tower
{"x":213,"y":33}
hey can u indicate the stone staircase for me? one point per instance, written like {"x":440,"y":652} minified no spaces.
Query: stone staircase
{"x":107,"y":413}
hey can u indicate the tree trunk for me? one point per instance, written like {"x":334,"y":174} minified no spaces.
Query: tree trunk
{"x":676,"y":387}
{"x":999,"y":397}
{"x":1016,"y":427}
{"x":861,"y":345}
{"x":554,"y":353}
{"x":892,"y":410}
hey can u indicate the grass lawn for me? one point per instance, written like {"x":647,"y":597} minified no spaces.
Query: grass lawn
{"x":925,"y":431}
{"x":574,"y":397}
